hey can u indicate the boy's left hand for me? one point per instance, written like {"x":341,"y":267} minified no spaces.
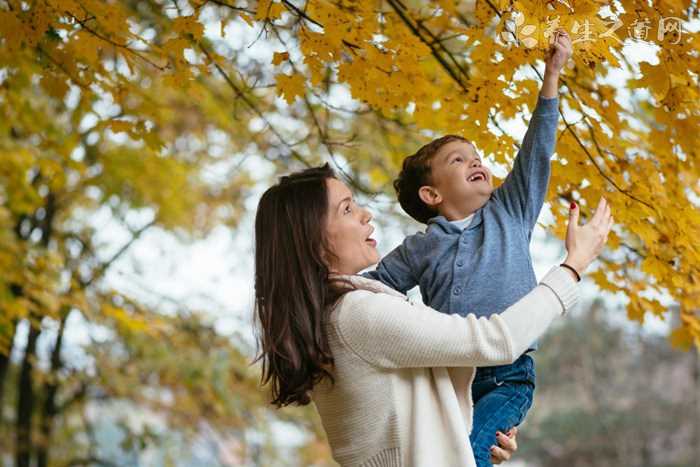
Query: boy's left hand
{"x":559,"y":53}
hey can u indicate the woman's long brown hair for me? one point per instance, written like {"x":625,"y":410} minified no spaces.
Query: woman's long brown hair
{"x":293,"y":294}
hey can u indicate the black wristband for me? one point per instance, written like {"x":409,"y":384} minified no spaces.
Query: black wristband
{"x":578,"y":277}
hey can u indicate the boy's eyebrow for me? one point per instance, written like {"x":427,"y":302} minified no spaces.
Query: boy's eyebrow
{"x":449,"y":154}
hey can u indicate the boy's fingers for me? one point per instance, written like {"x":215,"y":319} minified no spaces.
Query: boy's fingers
{"x":555,"y":37}
{"x":561,"y":37}
{"x":565,"y":41}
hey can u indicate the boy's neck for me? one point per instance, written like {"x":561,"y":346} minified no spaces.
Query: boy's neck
{"x":455,"y":213}
{"x":458,"y":211}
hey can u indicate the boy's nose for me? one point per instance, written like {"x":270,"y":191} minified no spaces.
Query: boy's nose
{"x":475,"y":163}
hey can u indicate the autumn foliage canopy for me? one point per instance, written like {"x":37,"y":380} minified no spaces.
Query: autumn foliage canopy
{"x":139,"y":106}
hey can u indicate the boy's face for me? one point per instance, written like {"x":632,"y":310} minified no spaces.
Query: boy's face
{"x":461,"y":184}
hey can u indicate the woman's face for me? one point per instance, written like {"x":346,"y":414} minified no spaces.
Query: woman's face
{"x":348,"y":230}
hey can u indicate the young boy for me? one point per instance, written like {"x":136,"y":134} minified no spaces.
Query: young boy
{"x":474,"y":255}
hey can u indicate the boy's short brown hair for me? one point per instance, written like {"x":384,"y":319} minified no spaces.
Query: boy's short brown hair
{"x":415,"y":173}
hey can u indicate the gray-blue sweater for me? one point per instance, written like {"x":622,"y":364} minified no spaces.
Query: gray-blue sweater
{"x":486,"y":267}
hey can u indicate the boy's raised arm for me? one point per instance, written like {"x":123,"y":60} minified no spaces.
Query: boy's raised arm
{"x":524,"y":190}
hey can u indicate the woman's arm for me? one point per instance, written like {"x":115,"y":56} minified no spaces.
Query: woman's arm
{"x":389,"y":332}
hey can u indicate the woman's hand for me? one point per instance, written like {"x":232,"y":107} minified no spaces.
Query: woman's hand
{"x":508,"y":444}
{"x":584,"y":243}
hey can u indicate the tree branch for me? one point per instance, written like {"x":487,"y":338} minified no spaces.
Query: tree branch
{"x":569,"y":127}
{"x":239,"y":93}
{"x":116,"y":44}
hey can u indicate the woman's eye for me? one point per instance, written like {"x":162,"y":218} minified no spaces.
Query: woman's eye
{"x":347,"y":209}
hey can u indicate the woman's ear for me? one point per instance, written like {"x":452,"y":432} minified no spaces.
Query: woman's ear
{"x":328,"y":258}
{"x":429,"y":196}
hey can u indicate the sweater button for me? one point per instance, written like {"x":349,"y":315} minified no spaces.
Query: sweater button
{"x":460,"y":263}
{"x":457,"y":290}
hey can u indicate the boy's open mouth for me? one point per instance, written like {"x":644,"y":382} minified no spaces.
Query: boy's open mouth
{"x":477,"y":176}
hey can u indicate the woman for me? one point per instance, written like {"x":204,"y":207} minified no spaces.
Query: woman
{"x":390,"y":380}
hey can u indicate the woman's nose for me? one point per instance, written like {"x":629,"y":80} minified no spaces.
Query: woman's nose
{"x":367,"y":215}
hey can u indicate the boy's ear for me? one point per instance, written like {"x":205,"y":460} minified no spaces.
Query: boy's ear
{"x":429,"y":195}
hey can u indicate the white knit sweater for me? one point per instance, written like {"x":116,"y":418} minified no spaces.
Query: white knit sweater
{"x":403,"y":372}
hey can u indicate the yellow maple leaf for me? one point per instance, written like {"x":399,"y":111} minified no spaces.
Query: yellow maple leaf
{"x":635,"y":311}
{"x":653,"y":266}
{"x":290,"y":86}
{"x":655,"y":78}
{"x":279,"y":57}
{"x":56,"y":86}
{"x":176,"y":47}
{"x":267,"y":10}
{"x":188,"y":25}
{"x":86,"y":47}
{"x":378,"y":177}
{"x":602,"y":281}
{"x":681,"y":338}
{"x":120,"y":126}
{"x":247,"y":19}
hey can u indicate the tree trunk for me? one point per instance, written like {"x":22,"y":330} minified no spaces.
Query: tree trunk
{"x":26,"y":396}
{"x":25,"y":400}
{"x":696,"y":419}
{"x":49,"y":410}
{"x":5,"y":364}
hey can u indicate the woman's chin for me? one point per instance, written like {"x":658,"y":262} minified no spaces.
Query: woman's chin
{"x":371,"y":261}
{"x":374,"y":260}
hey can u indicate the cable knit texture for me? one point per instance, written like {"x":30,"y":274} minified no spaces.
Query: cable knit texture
{"x":403,"y":371}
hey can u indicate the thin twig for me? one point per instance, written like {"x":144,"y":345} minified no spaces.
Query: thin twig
{"x":398,"y":8}
{"x":116,"y":44}
{"x":253,"y":107}
{"x":569,"y":127}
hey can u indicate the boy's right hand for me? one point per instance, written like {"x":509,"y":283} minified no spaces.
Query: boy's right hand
{"x":584,"y":243}
{"x":559,"y":52}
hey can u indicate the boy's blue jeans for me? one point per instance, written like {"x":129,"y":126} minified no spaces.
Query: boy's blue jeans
{"x":502,"y":396}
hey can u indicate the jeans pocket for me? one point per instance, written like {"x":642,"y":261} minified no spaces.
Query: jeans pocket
{"x":525,"y":407}
{"x":521,"y":371}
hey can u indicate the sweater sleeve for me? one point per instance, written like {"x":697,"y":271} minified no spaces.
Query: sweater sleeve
{"x":395,"y":269}
{"x":525,"y":188}
{"x":389,"y":332}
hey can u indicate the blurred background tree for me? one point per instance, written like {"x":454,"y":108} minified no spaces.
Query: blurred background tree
{"x":611,"y":396}
{"x":121,"y":120}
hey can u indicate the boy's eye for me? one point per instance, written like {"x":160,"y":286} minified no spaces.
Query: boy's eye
{"x":457,"y":159}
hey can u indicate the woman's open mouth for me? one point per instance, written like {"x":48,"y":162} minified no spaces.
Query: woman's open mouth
{"x":372,"y":242}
